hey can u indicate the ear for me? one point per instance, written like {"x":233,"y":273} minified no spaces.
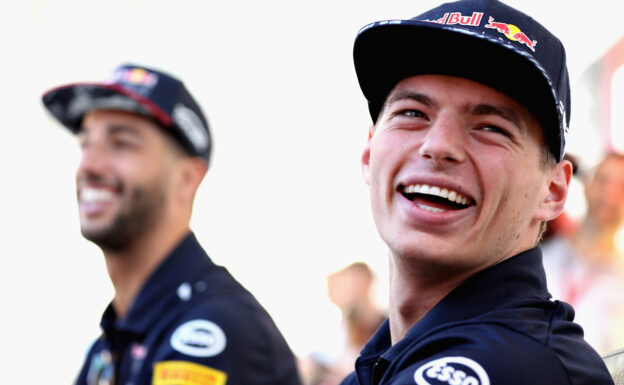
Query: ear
{"x":366,"y":156}
{"x":554,"y":202}
{"x":192,"y":172}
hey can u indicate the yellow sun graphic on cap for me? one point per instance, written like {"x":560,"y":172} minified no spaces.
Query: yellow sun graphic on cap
{"x":137,"y":75}
{"x":512,"y":31}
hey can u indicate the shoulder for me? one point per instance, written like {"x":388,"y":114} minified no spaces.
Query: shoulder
{"x":225,"y":336}
{"x":483,"y":363}
{"x":241,"y":320}
{"x":485,"y":354}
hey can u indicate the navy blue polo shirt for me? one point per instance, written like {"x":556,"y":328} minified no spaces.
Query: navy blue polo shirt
{"x":192,"y":323}
{"x":498,"y":327}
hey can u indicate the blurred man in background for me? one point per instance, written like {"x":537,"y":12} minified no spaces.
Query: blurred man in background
{"x":176,"y":318}
{"x":586,"y":267}
{"x":350,"y":289}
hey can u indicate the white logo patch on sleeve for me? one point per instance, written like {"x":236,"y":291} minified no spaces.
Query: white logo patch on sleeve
{"x":198,"y":338}
{"x":451,"y":371}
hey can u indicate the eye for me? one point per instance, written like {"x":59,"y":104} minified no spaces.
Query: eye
{"x":412,"y":113}
{"x":494,"y":129}
{"x":121,"y":144}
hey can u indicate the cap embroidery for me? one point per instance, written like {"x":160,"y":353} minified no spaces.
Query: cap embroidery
{"x":135,"y":77}
{"x":453,"y":18}
{"x":511,"y":32}
{"x":192,"y":126}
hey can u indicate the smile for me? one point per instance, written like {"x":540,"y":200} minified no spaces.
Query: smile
{"x":96,"y":195}
{"x":435,"y":199}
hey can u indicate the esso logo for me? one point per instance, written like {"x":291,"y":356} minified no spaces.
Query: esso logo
{"x":199,"y":338}
{"x":451,"y":371}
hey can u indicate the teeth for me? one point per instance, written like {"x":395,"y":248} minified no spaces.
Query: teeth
{"x":93,"y":195}
{"x":451,"y":195}
{"x":429,"y":208}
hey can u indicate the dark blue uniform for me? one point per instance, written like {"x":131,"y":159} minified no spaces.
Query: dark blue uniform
{"x":498,"y":327}
{"x":191,"y":324}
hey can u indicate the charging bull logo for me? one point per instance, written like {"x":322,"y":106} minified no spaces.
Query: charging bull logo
{"x":511,"y":32}
{"x":451,"y":371}
{"x":136,"y":79}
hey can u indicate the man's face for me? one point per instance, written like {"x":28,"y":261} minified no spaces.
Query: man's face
{"x":605,"y":193}
{"x":454,"y":173}
{"x":122,"y":178}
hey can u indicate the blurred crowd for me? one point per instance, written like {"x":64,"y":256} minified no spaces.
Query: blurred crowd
{"x":584,"y":258}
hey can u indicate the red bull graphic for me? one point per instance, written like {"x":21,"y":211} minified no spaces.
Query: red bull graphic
{"x":457,"y":18}
{"x":512,"y":33}
{"x":500,"y":27}
{"x":135,"y":77}
{"x":523,"y":39}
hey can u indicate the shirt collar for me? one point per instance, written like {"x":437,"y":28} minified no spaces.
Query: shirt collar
{"x":500,"y":285}
{"x":160,"y":290}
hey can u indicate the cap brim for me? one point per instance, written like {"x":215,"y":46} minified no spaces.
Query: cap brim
{"x":69,"y":103}
{"x":387,"y":53}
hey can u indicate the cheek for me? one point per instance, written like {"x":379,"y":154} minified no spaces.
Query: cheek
{"x":384,"y":164}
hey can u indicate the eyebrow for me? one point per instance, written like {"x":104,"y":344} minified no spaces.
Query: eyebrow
{"x":505,"y":113}
{"x":115,"y":128}
{"x":409,"y":95}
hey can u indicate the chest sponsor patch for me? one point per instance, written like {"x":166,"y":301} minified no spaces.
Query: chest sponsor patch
{"x":198,"y":338}
{"x":451,"y":371}
{"x":186,"y":373}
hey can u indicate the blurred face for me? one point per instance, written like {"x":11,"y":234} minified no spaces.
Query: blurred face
{"x":605,"y":193}
{"x":122,"y":178}
{"x":454,"y":173}
{"x":348,"y":287}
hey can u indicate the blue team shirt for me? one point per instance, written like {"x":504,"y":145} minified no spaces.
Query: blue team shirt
{"x":192,"y":323}
{"x":498,"y":327}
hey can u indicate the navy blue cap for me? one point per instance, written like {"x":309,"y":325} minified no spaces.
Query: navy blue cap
{"x":154,"y":94}
{"x":481,"y":40}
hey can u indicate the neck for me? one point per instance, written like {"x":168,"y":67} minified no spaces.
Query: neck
{"x":415,"y":289}
{"x":130,"y":268}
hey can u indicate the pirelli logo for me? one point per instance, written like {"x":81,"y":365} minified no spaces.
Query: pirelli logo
{"x":186,"y":373}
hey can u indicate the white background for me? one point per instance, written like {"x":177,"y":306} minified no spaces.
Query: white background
{"x":283,"y":204}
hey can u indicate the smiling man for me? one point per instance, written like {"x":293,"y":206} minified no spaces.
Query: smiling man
{"x":176,"y":318}
{"x":470,"y":103}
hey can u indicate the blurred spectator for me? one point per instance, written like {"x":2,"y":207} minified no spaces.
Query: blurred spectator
{"x":585,"y":267}
{"x":350,"y":290}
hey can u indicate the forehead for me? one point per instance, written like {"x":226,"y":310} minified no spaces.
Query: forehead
{"x":613,"y":165}
{"x":112,"y":118}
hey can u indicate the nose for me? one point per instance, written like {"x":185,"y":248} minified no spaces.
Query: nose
{"x":444,"y":140}
{"x":93,"y":161}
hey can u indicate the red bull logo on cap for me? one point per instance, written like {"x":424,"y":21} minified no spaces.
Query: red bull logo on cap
{"x":135,"y":77}
{"x":457,"y":18}
{"x":511,"y":32}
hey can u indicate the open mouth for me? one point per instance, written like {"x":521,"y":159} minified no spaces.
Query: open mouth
{"x":435,"y":199}
{"x":96,"y":195}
